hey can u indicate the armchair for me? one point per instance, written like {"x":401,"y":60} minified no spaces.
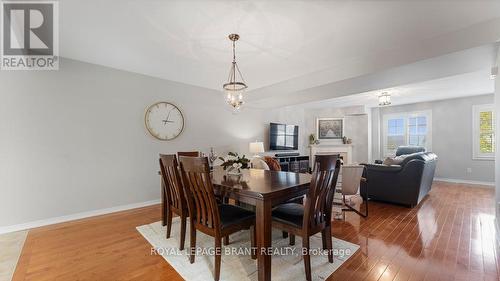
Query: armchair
{"x":405,"y":184}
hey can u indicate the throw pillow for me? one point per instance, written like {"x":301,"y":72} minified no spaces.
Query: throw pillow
{"x":273,"y":164}
{"x":394,"y":161}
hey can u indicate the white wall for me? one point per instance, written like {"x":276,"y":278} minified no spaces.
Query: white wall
{"x":74,"y":140}
{"x":497,"y":156}
{"x":451,"y":137}
{"x":355,"y":127}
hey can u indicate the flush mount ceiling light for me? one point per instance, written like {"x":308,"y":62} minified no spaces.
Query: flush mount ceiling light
{"x":235,"y":86}
{"x":384,"y":99}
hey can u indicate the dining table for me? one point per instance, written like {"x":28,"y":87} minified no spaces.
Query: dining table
{"x":263,"y":189}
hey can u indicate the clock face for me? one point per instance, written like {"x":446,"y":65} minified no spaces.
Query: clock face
{"x":164,"y":121}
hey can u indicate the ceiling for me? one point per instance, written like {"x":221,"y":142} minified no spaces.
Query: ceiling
{"x":469,"y":84}
{"x":285,"y":46}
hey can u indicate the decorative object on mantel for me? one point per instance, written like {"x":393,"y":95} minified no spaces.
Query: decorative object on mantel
{"x":384,"y":99}
{"x":329,"y":128}
{"x":234,"y":88}
{"x":233,"y":163}
{"x":313,"y":140}
{"x":346,"y":140}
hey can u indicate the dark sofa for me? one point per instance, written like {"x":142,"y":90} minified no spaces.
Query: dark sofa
{"x":405,"y":184}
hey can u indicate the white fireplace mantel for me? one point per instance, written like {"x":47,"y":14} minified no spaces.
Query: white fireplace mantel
{"x":345,"y":150}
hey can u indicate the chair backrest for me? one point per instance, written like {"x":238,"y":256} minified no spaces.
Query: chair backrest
{"x":188,"y":153}
{"x":200,"y":196}
{"x":172,"y":181}
{"x":319,"y":200}
{"x":322,"y":156}
{"x":402,"y":150}
{"x":351,"y":178}
{"x":258,"y":163}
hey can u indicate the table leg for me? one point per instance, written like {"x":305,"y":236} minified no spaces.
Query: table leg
{"x":263,"y":227}
{"x":163,"y":204}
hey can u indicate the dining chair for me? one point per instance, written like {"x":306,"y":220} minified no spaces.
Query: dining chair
{"x":206,"y":215}
{"x":352,"y":177}
{"x":189,"y":153}
{"x":176,"y":202}
{"x":315,"y":215}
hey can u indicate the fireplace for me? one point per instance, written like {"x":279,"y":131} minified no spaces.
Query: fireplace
{"x":345,"y":151}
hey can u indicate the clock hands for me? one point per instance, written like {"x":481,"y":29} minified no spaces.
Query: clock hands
{"x":168,"y":116}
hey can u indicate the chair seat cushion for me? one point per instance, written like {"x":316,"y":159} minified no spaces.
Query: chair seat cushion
{"x":230,"y":214}
{"x":289,"y":213}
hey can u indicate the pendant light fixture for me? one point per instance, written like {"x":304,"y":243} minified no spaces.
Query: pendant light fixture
{"x":235,"y":86}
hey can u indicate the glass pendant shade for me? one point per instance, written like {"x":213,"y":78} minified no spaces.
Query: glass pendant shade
{"x":235,"y":87}
{"x":234,"y":98}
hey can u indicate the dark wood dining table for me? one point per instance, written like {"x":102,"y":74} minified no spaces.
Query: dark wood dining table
{"x":264,"y":190}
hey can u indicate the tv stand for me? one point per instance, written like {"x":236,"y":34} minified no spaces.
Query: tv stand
{"x":293,"y":163}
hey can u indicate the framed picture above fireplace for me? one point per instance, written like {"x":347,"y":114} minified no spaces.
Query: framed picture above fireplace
{"x":330,"y":128}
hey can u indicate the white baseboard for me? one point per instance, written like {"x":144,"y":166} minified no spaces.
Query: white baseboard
{"x":485,"y":183}
{"x":44,"y":222}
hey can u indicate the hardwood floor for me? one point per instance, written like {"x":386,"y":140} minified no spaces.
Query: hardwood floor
{"x":450,"y":236}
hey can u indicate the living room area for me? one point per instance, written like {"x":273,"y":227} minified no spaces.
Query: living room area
{"x":250,"y":140}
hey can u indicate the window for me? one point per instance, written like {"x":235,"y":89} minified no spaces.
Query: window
{"x":417,"y":130}
{"x":413,"y":128}
{"x":483,"y":132}
{"x":396,"y":135}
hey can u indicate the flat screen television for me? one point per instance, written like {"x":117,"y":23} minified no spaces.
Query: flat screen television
{"x":283,"y":137}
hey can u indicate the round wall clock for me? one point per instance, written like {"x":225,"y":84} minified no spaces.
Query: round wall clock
{"x":164,"y":121}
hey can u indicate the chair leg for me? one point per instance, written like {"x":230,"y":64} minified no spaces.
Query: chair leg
{"x":307,"y":258}
{"x":218,"y":249}
{"x":292,"y":239}
{"x":285,"y":234}
{"x":169,"y":222}
{"x":327,"y":233}
{"x":183,"y":232}
{"x":226,"y":240}
{"x":352,"y":209}
{"x":192,"y":238}
{"x":323,"y":239}
{"x":253,"y":243}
